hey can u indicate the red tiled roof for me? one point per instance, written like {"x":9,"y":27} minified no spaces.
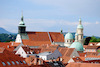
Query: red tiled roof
{"x":92,"y":53}
{"x":77,"y":59}
{"x":48,"y":48}
{"x":35,"y":43}
{"x":8,"y":56}
{"x":56,"y":36}
{"x":7,"y":46}
{"x":82,"y":54}
{"x":14,"y":44}
{"x":83,"y":65}
{"x":92,"y":47}
{"x":66,"y":53}
{"x":39,"y":38}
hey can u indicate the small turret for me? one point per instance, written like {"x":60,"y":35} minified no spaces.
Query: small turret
{"x":61,"y":31}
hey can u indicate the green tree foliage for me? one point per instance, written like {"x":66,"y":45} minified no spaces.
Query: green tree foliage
{"x":94,"y":39}
{"x":7,"y":37}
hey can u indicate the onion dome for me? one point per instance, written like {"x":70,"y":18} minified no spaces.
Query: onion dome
{"x":77,"y":45}
{"x":68,"y":36}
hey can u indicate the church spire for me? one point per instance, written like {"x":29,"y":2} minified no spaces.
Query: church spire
{"x":22,"y":16}
{"x":80,"y":21}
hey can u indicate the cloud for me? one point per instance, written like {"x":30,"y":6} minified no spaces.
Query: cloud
{"x":97,"y":22}
{"x":43,"y":25}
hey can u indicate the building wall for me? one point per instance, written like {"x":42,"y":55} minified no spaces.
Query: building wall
{"x":43,"y":57}
{"x":71,"y":60}
{"x":21,"y":52}
{"x":90,"y":50}
{"x":18,"y":39}
{"x":68,"y":42}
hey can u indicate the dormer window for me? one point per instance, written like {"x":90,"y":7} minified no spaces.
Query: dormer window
{"x":24,"y":62}
{"x":3,"y":63}
{"x":17,"y":62}
{"x":21,"y":62}
{"x":8,"y":63}
{"x":13,"y":63}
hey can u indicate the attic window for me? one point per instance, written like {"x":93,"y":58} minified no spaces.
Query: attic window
{"x":3,"y":63}
{"x":77,"y":58}
{"x":21,"y":62}
{"x":17,"y":62}
{"x":8,"y":63}
{"x":13,"y":63}
{"x":24,"y":62}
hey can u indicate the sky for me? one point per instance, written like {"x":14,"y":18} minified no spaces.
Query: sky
{"x":51,"y":15}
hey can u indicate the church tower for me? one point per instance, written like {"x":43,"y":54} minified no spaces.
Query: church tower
{"x":21,"y":31}
{"x":21,"y":26}
{"x":80,"y":32}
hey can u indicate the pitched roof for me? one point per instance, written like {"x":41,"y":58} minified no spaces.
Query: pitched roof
{"x":56,"y":36}
{"x":92,"y":47}
{"x":18,"y":47}
{"x":77,"y":59}
{"x":48,"y":48}
{"x":92,"y":53}
{"x":82,"y":54}
{"x":14,"y":44}
{"x":66,"y":51}
{"x":7,"y":56}
{"x":7,"y":46}
{"x":39,"y":38}
{"x":83,"y":65}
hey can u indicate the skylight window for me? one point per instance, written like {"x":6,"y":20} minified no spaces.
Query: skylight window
{"x":13,"y":63}
{"x":3,"y":64}
{"x":8,"y":63}
{"x":24,"y":62}
{"x":17,"y":62}
{"x":21,"y":62}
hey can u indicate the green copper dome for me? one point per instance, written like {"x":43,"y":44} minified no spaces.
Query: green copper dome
{"x":77,"y":45}
{"x":68,"y":36}
{"x":21,"y":23}
{"x":80,"y":26}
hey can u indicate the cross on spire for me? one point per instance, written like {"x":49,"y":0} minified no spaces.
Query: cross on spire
{"x":22,"y":16}
{"x":80,"y":21}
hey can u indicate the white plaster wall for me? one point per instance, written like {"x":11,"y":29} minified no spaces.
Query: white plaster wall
{"x":43,"y":57}
{"x":71,"y":60}
{"x":21,"y":52}
{"x":18,"y":39}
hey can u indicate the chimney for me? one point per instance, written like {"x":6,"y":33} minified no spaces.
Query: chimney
{"x":12,"y":43}
{"x":60,"y":59}
{"x":7,"y":46}
{"x":39,"y":62}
